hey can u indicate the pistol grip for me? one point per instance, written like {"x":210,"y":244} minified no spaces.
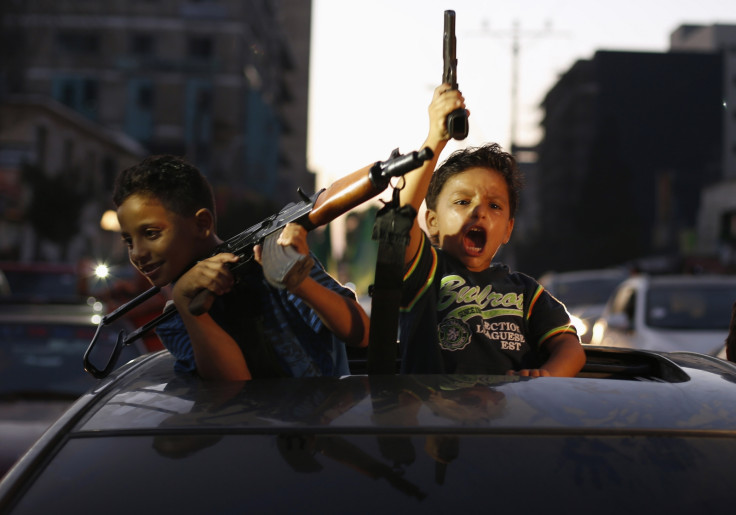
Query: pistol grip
{"x":457,"y":124}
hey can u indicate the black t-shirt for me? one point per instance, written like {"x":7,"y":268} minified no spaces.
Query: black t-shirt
{"x":462,"y":322}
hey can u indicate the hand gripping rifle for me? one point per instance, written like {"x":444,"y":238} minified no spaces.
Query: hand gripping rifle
{"x":457,"y":121}
{"x":310,"y":212}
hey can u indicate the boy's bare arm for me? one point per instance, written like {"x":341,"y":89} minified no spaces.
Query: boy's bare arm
{"x":343,"y":316}
{"x":566,"y":358}
{"x":217,"y":355}
{"x":444,"y":101}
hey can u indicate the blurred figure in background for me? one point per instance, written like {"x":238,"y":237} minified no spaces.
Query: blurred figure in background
{"x":731,"y":338}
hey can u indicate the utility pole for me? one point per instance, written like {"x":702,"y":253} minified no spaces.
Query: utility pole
{"x":516,"y":34}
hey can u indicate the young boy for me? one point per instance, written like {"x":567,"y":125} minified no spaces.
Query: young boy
{"x":166,"y":211}
{"x":460,"y":313}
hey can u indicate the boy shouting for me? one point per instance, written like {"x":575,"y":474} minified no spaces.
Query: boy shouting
{"x":460,"y":312}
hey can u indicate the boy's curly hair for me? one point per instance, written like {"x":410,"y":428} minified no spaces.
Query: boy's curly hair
{"x":490,"y":156}
{"x":174,"y":182}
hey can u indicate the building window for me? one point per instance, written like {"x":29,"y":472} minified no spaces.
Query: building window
{"x":139,"y":111}
{"x":145,"y":97}
{"x":90,"y":94}
{"x":79,"y":93}
{"x":109,"y":170}
{"x":200,"y":47}
{"x":142,"y":45}
{"x":78,"y":43}
{"x":68,"y":154}
{"x":42,"y":136}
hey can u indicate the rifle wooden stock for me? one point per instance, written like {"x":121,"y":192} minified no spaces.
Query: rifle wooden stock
{"x":343,"y":195}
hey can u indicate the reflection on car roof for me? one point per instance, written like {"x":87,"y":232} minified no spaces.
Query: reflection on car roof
{"x":159,"y":399}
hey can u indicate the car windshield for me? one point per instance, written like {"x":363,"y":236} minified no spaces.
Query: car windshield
{"x":692,"y":306}
{"x":45,"y":359}
{"x":578,"y":292}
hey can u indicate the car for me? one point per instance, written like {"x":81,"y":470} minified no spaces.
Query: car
{"x":634,"y":432}
{"x":669,"y":313}
{"x":584,"y":293}
{"x":39,"y":282}
{"x":40,"y":371}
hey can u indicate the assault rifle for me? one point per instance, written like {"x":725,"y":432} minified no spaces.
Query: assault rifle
{"x":457,"y":121}
{"x":310,"y":212}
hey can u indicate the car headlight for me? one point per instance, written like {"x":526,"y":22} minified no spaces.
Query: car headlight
{"x":597,"y":336}
{"x":580,"y":325}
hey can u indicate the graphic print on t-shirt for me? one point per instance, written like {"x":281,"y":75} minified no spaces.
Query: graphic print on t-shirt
{"x":465,"y":310}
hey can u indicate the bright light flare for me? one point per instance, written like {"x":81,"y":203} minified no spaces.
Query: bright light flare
{"x":102,"y":271}
{"x":580,"y":326}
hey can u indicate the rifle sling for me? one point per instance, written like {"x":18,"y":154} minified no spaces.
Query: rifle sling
{"x":391,"y":230}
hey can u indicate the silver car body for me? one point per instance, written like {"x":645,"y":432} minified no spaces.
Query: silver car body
{"x":669,"y":313}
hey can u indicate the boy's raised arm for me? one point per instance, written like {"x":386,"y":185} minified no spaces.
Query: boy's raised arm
{"x":444,"y":101}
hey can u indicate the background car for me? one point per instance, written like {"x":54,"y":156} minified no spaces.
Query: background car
{"x":41,"y":372}
{"x":40,"y":282}
{"x":584,"y":293}
{"x":671,"y":312}
{"x":635,"y":432}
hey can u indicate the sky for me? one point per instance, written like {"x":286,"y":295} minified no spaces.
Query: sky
{"x":374,"y":65}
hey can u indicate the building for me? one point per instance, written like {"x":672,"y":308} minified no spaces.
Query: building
{"x":717,"y":216}
{"x":56,"y":172}
{"x":222,"y":82}
{"x":631,"y":139}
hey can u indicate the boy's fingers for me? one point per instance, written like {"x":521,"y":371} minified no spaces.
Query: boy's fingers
{"x":294,"y":235}
{"x":258,"y":253}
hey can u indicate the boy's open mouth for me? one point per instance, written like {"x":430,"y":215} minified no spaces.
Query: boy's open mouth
{"x":474,"y":240}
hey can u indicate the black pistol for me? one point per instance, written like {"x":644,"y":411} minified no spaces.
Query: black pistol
{"x":457,"y":121}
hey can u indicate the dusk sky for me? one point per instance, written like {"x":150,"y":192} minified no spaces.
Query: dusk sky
{"x":374,"y":64}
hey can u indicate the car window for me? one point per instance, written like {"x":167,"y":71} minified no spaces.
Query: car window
{"x":692,"y":306}
{"x":46,"y":358}
{"x":584,"y":291}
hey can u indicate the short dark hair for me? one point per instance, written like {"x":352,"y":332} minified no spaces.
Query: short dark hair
{"x":490,"y":156}
{"x":174,"y":182}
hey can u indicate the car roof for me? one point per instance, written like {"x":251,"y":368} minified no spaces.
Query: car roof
{"x":584,"y":275}
{"x":610,"y":435}
{"x":687,"y":386}
{"x":684,"y":279}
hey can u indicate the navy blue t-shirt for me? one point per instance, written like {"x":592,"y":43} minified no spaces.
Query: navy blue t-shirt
{"x":278,"y":333}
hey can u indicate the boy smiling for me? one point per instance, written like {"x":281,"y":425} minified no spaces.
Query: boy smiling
{"x":166,"y":211}
{"x":460,"y":312}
